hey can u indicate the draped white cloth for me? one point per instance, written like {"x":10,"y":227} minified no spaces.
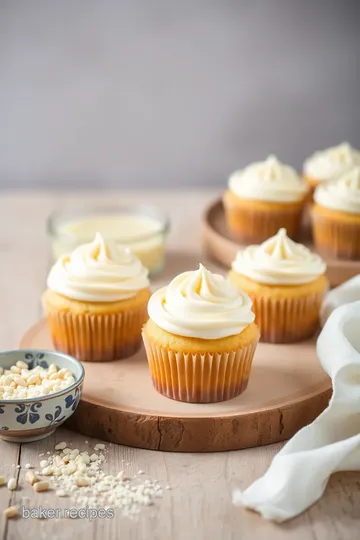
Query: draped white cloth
{"x":343,"y":294}
{"x":298,"y":474}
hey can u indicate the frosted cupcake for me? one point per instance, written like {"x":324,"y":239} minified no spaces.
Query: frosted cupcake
{"x":96,"y":302}
{"x":262,"y":198}
{"x":330,"y":164}
{"x":336,"y":216}
{"x":286,"y":283}
{"x":200,"y":339}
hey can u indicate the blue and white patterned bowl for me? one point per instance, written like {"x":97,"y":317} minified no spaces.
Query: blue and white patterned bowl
{"x":28,"y":420}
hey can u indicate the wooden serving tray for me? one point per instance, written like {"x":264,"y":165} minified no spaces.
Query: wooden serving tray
{"x":220,"y":246}
{"x":287,"y":390}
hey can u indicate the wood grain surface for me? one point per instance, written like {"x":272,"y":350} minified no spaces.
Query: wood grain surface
{"x":198,"y":507}
{"x":221,"y":247}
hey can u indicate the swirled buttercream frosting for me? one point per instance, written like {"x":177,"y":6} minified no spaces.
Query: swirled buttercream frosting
{"x":342,"y":194}
{"x":331,"y":163}
{"x":202,"y":305}
{"x":279,"y":261}
{"x":98,"y":272}
{"x":268,"y":180}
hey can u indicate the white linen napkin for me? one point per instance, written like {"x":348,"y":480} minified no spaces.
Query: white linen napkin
{"x":343,"y":294}
{"x":298,"y":474}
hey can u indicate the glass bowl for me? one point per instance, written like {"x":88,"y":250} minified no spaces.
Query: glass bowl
{"x":143,"y":228}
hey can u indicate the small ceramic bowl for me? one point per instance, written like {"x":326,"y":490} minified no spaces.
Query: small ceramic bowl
{"x":28,"y":420}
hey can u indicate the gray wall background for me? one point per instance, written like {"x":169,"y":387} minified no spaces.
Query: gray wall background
{"x":171,"y":93}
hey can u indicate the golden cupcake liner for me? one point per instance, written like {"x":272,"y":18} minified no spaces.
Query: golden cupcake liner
{"x":287,"y":320}
{"x":199,"y":378}
{"x":337,"y":239}
{"x":97,"y":338}
{"x":312,"y":185}
{"x":249,"y":224}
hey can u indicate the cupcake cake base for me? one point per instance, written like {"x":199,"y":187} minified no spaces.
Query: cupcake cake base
{"x":96,"y":332}
{"x":194,"y":373}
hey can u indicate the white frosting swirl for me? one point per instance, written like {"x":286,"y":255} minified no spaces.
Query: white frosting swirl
{"x":331,"y":163}
{"x":98,"y":272}
{"x":201,"y":305}
{"x":268,"y":180}
{"x":341,"y":194}
{"x":279,"y":261}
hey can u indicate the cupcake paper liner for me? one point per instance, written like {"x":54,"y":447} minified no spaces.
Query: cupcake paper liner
{"x":287,"y":320}
{"x":312,"y":184}
{"x":97,"y":338}
{"x":250,"y":224}
{"x":199,"y":378}
{"x":338,"y":239}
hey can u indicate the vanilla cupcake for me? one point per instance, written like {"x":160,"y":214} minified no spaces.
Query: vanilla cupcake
{"x":200,"y":339}
{"x":330,"y":164}
{"x":336,"y":216}
{"x":262,"y":198}
{"x":96,"y":302}
{"x":286,"y":283}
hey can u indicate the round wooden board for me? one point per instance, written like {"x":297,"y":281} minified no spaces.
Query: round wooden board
{"x":220,"y":246}
{"x":287,"y":390}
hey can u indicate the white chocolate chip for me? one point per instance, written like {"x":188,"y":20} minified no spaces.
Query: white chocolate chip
{"x":81,"y":482}
{"x":60,"y":446}
{"x":33,"y":379}
{"x":99,"y":446}
{"x":19,"y":381}
{"x":15,"y":369}
{"x":121,"y":476}
{"x":22,"y":365}
{"x":41,"y":486}
{"x":12,"y":484}
{"x":31,"y":478}
{"x":85,"y":458}
{"x":10,"y":512}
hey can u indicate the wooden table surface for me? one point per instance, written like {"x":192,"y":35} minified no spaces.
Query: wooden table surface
{"x":198,"y":506}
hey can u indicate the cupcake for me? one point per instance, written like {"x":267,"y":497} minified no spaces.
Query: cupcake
{"x":200,"y":338}
{"x":329,"y":164}
{"x":262,"y":198}
{"x":336,"y":216}
{"x":286,"y":283}
{"x":96,"y":302}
